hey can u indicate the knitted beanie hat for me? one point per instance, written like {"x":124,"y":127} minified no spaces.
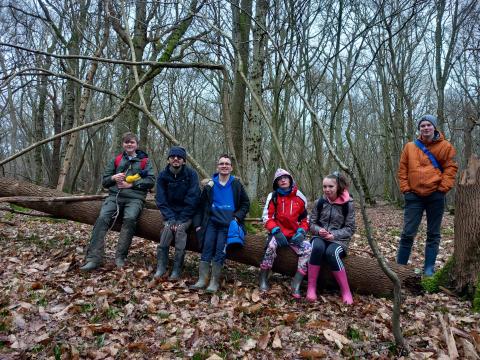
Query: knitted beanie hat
{"x":430,"y":118}
{"x":178,"y":151}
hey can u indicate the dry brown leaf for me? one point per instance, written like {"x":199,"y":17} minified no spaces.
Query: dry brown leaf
{"x":100,"y":328}
{"x":74,"y":353}
{"x":249,"y":345}
{"x":263,"y":340}
{"x":214,"y":357}
{"x":276,"y":343}
{"x":37,"y":285}
{"x":333,"y":336}
{"x":18,"y":321}
{"x":129,"y":308}
{"x":318,"y":324}
{"x":43,"y":339}
{"x":62,"y":268}
{"x":14,"y":260}
{"x":96,"y":354}
{"x":461,"y":333}
{"x":256,"y":296}
{"x":151,"y":307}
{"x":140,"y":346}
{"x":290,"y":318}
{"x":215,"y":300}
{"x":104,"y":292}
{"x":167,"y":345}
{"x":469,"y":350}
{"x":142,"y":274}
{"x":252,"y":309}
{"x":319,"y":353}
{"x":113,"y":349}
{"x":476,"y":338}
{"x":67,"y":289}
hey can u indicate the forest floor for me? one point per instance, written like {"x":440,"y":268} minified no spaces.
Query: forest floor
{"x":49,"y":309}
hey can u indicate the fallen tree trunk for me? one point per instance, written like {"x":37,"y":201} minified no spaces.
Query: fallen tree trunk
{"x":364,"y":273}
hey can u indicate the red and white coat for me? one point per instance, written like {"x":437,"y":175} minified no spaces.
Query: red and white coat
{"x":290,"y":213}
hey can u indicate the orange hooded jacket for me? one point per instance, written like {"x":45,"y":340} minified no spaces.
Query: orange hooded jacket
{"x":416,"y":172}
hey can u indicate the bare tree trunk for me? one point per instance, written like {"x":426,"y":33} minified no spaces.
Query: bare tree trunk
{"x":369,"y":199}
{"x":467,"y":229}
{"x":241,"y":32}
{"x":253,"y":138}
{"x":72,"y":143}
{"x":39,"y":127}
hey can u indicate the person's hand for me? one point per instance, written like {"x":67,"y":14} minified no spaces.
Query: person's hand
{"x":118,"y":178}
{"x":279,"y":237}
{"x":124,"y":185}
{"x":322,"y":232}
{"x":329,"y":236}
{"x":298,"y":238}
{"x":198,"y":228}
{"x":175,"y":226}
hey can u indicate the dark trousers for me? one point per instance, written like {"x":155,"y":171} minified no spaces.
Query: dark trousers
{"x":324,"y":251}
{"x":214,"y":243}
{"x":131,"y":209}
{"x":433,"y":205}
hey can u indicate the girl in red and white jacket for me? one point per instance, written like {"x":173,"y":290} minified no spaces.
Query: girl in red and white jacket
{"x":285,"y":218}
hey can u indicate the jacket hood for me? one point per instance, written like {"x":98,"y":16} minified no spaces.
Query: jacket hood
{"x":281,"y":172}
{"x":342,"y":199}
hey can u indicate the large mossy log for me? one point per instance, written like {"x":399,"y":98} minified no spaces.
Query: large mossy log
{"x":364,"y":273}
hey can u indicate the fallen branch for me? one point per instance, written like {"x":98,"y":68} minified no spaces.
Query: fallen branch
{"x":449,"y":339}
{"x":16,"y":199}
{"x":24,"y":212}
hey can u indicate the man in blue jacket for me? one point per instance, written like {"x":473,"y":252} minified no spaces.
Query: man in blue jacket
{"x":128,"y":178}
{"x":177,"y":196}
{"x":223,"y":201}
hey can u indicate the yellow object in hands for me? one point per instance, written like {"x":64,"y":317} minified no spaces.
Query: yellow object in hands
{"x":132,"y":178}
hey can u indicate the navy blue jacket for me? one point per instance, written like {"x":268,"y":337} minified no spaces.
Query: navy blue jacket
{"x":177,"y":195}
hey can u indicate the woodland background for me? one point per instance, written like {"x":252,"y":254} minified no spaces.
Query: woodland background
{"x":236,"y":77}
{"x":311,"y":86}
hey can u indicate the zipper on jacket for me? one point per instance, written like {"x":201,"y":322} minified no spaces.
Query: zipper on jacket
{"x":329,"y":217}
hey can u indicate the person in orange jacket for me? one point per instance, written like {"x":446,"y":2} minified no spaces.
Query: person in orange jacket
{"x":426,"y":173}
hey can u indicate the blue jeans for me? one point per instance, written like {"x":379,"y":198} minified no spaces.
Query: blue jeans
{"x":214,"y":243}
{"x":433,"y":205}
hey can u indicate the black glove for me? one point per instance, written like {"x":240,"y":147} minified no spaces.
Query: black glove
{"x":279,"y":237}
{"x":298,"y":238}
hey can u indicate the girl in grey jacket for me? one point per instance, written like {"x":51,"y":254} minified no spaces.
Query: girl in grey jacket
{"x":332,"y":224}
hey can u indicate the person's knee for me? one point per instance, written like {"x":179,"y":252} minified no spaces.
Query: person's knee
{"x":318,"y":247}
{"x":333,"y":256}
{"x":180,"y":242}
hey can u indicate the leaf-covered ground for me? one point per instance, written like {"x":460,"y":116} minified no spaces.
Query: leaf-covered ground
{"x":49,"y":309}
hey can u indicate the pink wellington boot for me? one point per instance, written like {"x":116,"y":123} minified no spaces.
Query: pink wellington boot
{"x":341,"y":277}
{"x":313,"y":271}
